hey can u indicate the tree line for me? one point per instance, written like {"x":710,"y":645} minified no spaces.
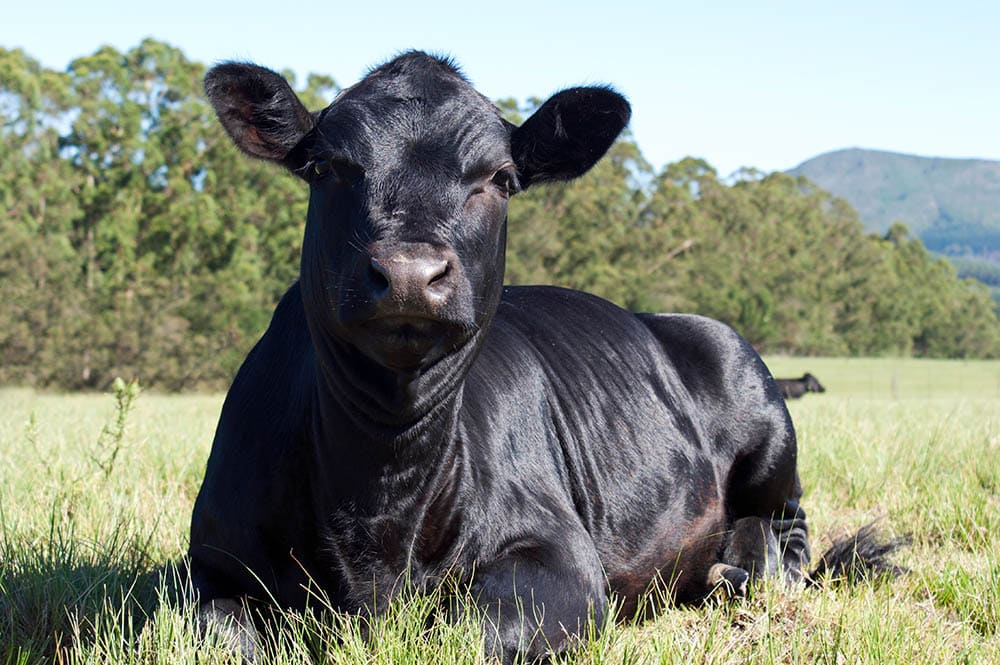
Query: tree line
{"x":135,"y":241}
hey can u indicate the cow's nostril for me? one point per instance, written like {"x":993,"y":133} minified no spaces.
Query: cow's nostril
{"x":378,"y":275}
{"x":439,"y":273}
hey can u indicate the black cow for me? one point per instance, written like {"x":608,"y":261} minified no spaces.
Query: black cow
{"x":796,"y":388}
{"x":407,"y":416}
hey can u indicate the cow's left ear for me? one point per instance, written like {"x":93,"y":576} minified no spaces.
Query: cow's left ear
{"x":260,"y":111}
{"x":568,"y":134}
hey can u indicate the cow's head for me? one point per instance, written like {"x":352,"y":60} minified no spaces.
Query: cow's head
{"x":410,"y":172}
{"x":812,"y":384}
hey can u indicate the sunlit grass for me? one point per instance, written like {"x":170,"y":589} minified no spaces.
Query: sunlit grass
{"x":85,"y":552}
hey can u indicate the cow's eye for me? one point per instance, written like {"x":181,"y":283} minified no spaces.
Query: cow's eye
{"x":323,"y":168}
{"x":340,"y":172}
{"x":505,"y":181}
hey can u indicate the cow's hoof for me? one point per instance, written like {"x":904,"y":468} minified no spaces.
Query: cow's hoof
{"x":226,"y":622}
{"x":728,"y":581}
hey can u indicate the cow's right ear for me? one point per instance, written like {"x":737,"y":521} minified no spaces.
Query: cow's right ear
{"x":259,"y":111}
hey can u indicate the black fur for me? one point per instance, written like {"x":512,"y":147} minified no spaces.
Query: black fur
{"x":405,"y":416}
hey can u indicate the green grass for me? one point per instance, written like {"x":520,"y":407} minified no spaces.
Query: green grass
{"x":89,"y":524}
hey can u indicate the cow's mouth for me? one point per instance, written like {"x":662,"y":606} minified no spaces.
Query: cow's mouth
{"x":408,"y":342}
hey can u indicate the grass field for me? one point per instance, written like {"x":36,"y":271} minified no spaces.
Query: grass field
{"x":89,"y":515}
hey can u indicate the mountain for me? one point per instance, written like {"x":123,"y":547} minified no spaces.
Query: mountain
{"x":953,"y":205}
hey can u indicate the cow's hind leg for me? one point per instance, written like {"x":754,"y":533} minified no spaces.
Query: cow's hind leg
{"x":769,"y":526}
{"x":753,"y":546}
{"x":743,"y":411}
{"x":751,"y":551}
{"x":773,"y":538}
{"x":792,"y":533}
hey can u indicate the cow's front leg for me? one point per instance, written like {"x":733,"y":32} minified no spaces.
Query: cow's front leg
{"x":539,"y":600}
{"x":227,"y":621}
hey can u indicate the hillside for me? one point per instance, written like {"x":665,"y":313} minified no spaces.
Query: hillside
{"x":953,"y":205}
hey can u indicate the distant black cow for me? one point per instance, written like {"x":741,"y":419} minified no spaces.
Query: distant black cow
{"x":796,"y":388}
{"x":406,"y":416}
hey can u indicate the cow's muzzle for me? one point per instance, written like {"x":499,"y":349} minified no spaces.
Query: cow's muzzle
{"x":411,"y":304}
{"x":411,"y":280}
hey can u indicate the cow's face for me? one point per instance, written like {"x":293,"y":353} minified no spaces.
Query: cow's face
{"x":410,"y":174}
{"x":812,"y":384}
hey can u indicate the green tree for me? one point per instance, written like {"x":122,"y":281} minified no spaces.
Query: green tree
{"x":175,"y":247}
{"x":136,"y":242}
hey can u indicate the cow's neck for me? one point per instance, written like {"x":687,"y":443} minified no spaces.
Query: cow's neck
{"x":372,"y":457}
{"x":386,"y":407}
{"x":390,"y":460}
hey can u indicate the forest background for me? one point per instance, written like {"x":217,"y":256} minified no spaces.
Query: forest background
{"x":136,"y":242}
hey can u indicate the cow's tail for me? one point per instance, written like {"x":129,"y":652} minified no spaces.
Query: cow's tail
{"x":861,"y":557}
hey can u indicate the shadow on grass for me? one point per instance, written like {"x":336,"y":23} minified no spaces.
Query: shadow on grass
{"x":57,"y":590}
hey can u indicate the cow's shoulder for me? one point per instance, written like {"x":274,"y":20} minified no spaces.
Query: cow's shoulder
{"x":558,"y":363}
{"x":271,"y":391}
{"x":260,"y":433}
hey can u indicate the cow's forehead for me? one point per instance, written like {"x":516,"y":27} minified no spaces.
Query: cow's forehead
{"x":414,"y":100}
{"x":413,"y":75}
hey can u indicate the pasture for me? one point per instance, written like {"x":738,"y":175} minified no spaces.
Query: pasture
{"x":91,"y":517}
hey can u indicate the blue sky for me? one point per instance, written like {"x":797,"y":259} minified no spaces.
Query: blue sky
{"x":766,"y":85}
